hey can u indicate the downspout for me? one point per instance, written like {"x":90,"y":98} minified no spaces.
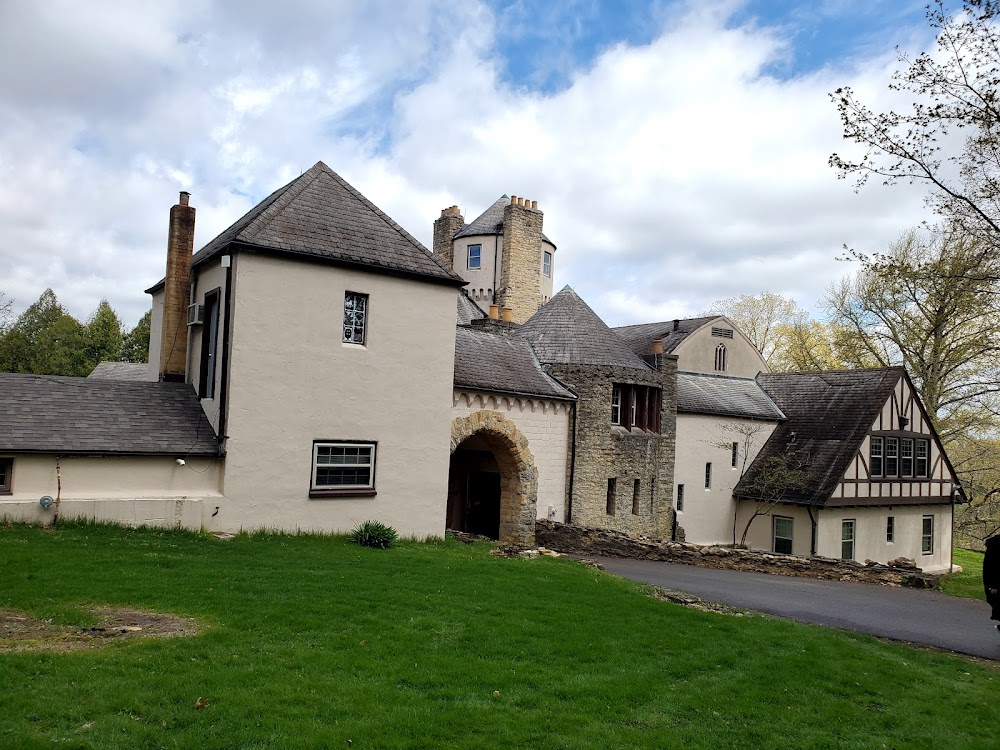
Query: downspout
{"x":572,"y":468}
{"x":951,"y":553}
{"x":813,"y":531}
{"x":224,"y":385}
{"x":496,"y":244}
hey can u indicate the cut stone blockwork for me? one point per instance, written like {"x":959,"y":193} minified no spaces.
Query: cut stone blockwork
{"x":518,"y":473}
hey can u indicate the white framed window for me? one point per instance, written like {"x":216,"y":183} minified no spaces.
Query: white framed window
{"x":927,"y":535}
{"x":890,"y":529}
{"x":708,"y":475}
{"x":783,"y":534}
{"x":906,"y":457}
{"x":921,"y":448}
{"x":891,"y":457}
{"x":680,"y":498}
{"x":875,"y":457}
{"x":847,"y":539}
{"x":720,"y":358}
{"x":633,"y":404}
{"x":355,"y":317}
{"x":475,"y":259}
{"x":616,"y":405}
{"x":547,"y":263}
{"x":343,"y":468}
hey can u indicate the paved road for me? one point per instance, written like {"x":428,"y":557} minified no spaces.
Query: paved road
{"x":911,"y":615}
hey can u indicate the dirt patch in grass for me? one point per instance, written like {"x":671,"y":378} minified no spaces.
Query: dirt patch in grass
{"x":22,"y":632}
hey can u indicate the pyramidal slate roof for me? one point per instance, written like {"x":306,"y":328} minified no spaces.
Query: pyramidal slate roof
{"x":699,"y":393}
{"x":828,"y":414}
{"x":671,"y":332}
{"x":318,"y":215}
{"x":502,"y":362}
{"x":468,"y":309}
{"x":490,"y":221}
{"x":67,"y":415}
{"x":566,"y":331}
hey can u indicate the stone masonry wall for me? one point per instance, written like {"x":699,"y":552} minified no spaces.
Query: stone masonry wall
{"x":607,"y":543}
{"x":604,"y":451}
{"x":521,"y":263}
{"x":445,"y":229}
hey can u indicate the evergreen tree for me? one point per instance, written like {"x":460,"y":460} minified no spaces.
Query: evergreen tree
{"x":135,"y":346}
{"x":104,"y":335}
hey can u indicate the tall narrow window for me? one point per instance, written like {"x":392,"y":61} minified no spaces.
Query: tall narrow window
{"x":927,"y":536}
{"x":708,"y":476}
{"x":547,"y":263}
{"x":209,"y":345}
{"x":890,"y":529}
{"x":892,"y":457}
{"x":612,"y":487}
{"x":847,"y":539}
{"x":875,"y":464}
{"x":736,"y":454}
{"x":680,"y":498}
{"x":355,"y":317}
{"x":635,"y":497}
{"x":720,"y":358}
{"x":920,"y":463}
{"x":783,"y":535}
{"x":633,"y":404}
{"x":475,"y":256}
{"x":616,"y":405}
{"x":906,"y":457}
{"x":652,"y":495}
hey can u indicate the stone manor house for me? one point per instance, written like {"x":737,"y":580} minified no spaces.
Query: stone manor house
{"x":314,"y":366}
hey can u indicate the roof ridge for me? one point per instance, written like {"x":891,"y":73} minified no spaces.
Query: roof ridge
{"x":289,"y":192}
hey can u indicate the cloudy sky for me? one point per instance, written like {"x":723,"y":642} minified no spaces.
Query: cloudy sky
{"x":678,"y":149}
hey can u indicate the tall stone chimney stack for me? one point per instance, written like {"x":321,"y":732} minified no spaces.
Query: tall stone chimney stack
{"x":521,"y":265}
{"x":445,"y":229}
{"x":177,"y":291}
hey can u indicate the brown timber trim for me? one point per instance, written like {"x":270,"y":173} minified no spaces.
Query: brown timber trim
{"x":360,"y":492}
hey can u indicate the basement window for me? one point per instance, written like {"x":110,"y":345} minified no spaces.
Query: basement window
{"x":342,"y":468}
{"x":6,"y":476}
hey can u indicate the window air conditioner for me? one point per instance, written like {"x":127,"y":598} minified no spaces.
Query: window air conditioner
{"x":196,"y":315}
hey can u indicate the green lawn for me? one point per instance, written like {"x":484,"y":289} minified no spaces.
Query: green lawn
{"x":313,"y":642}
{"x":968,"y":583}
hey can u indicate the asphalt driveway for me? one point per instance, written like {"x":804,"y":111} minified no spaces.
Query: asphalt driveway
{"x":910,"y":615}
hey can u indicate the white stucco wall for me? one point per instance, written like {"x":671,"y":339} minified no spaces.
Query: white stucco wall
{"x":293,"y":381}
{"x":546,"y":425}
{"x":155,"y":491}
{"x":761,"y":533}
{"x":696,"y":353}
{"x":208,"y":279}
{"x":707,"y":517}
{"x":155,"y":335}
{"x":484,"y":280}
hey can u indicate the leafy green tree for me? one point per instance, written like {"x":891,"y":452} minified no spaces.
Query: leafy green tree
{"x":6,"y":312}
{"x":45,"y":339}
{"x":761,"y":317}
{"x":135,"y":346}
{"x":104,"y":335}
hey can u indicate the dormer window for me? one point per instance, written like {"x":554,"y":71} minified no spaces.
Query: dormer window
{"x":475,"y":256}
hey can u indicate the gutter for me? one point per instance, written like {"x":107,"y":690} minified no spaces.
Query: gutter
{"x":224,"y":385}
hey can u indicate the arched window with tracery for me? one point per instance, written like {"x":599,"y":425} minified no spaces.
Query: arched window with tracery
{"x":720,"y":358}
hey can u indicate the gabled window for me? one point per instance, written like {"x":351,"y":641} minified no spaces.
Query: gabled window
{"x":355,"y":317}
{"x":547,"y":263}
{"x":6,"y":476}
{"x":927,"y":536}
{"x":343,"y":468}
{"x":475,"y":258}
{"x":898,"y":457}
{"x":783,"y":535}
{"x":209,"y":345}
{"x":891,"y":457}
{"x":720,"y":358}
{"x":920,"y":463}
{"x":875,"y":457}
{"x":906,"y":457}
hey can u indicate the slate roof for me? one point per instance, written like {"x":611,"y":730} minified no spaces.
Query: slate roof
{"x":319,"y":216}
{"x":829,"y":413}
{"x":468,"y":310}
{"x":726,"y":396}
{"x":641,"y":337}
{"x":566,"y":331}
{"x":67,"y":415}
{"x":490,"y":221}
{"x":503,"y":363}
{"x":120,"y":371}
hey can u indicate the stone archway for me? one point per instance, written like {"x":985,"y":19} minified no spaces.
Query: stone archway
{"x":518,"y":473}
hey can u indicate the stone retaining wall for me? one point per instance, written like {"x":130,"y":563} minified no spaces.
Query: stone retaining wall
{"x":589,"y":541}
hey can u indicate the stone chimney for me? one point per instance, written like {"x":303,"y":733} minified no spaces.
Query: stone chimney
{"x":445,"y":229}
{"x":521,"y":265}
{"x":177,"y":292}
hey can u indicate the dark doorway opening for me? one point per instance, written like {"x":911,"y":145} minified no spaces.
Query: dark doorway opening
{"x":474,"y":490}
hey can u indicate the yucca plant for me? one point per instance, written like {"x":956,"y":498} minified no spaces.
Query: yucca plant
{"x":373,"y":534}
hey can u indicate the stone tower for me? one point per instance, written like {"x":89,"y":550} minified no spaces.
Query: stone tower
{"x":520,"y":269}
{"x":445,"y":228}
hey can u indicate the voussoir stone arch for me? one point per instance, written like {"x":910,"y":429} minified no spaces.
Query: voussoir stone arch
{"x":518,"y":473}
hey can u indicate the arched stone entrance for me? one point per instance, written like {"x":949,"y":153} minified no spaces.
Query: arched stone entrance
{"x":495,"y":438}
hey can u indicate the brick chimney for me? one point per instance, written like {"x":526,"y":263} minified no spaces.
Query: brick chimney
{"x":445,"y":229}
{"x":177,"y":292}
{"x":521,"y":264}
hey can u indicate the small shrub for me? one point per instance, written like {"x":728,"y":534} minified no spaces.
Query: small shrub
{"x":373,"y":534}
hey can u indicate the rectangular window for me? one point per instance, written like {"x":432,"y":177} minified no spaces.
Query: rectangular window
{"x":475,"y":256}
{"x":906,"y":457}
{"x":633,"y":403}
{"x":890,"y":529}
{"x":783,"y":535}
{"x":355,"y":317}
{"x":209,"y":345}
{"x":708,"y":476}
{"x":636,"y":406}
{"x":680,"y":498}
{"x":920,"y":463}
{"x":6,"y":476}
{"x":847,"y":539}
{"x":612,"y":487}
{"x":736,"y":454}
{"x":616,"y":405}
{"x":892,"y":457}
{"x":875,"y":463}
{"x":343,"y":468}
{"x":547,"y":263}
{"x":927,"y":536}
{"x":635,"y":497}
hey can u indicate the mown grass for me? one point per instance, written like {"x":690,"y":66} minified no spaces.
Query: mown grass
{"x":315,"y":642}
{"x":968,"y":583}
